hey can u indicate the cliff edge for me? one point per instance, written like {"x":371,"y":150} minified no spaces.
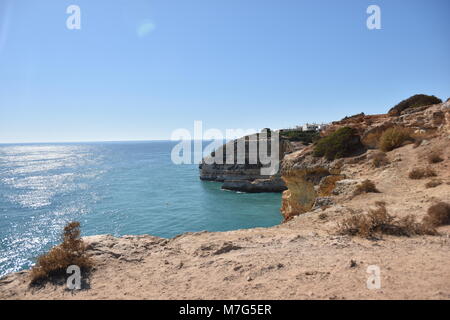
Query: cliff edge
{"x":308,"y":256}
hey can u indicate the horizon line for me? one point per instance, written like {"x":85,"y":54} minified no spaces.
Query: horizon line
{"x":100,"y":141}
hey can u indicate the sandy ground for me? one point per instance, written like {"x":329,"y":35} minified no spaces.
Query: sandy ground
{"x":279,"y":263}
{"x":301,"y":259}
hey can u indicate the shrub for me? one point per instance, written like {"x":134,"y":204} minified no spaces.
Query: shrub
{"x":72,"y":251}
{"x":323,"y":216}
{"x":366,"y":186}
{"x":372,"y":139}
{"x":438,"y":215}
{"x":393,"y":138}
{"x":419,"y":173}
{"x":379,"y":160}
{"x":307,"y":137}
{"x":415,"y":101}
{"x":433,"y":183}
{"x":434,"y":157}
{"x":341,"y":143}
{"x":378,"y":222}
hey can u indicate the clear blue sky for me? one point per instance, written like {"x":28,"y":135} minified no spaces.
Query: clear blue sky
{"x":137,"y":70}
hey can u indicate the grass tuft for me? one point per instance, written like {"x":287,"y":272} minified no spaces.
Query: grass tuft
{"x":438,"y":215}
{"x":420,"y":173}
{"x":434,"y":157}
{"x":394,"y":137}
{"x":379,"y":160}
{"x":367,"y":186}
{"x":378,"y":222}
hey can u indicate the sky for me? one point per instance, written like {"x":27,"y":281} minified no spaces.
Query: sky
{"x":139,"y":70}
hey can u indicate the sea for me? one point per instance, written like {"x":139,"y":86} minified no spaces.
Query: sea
{"x":117,"y":188}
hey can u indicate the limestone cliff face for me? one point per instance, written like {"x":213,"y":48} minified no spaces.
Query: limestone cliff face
{"x":244,"y":176}
{"x":308,"y":180}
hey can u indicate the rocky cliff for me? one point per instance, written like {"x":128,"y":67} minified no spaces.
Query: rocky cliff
{"x":312,"y":181}
{"x":245,"y":176}
{"x":306,"y":257}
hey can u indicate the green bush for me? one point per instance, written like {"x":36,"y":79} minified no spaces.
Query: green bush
{"x":342,"y":143}
{"x":306,"y":137}
{"x":415,"y":101}
{"x":393,"y":138}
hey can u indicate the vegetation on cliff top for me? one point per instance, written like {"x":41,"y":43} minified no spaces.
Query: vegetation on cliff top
{"x":415,"y":101}
{"x":378,"y":222}
{"x":307,"y":137}
{"x":342,"y":143}
{"x":72,"y":251}
{"x":394,"y":137}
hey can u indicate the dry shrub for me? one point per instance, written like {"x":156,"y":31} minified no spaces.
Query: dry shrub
{"x":379,"y":160}
{"x":438,"y":215}
{"x":365,"y":187}
{"x":72,"y":251}
{"x":394,"y":137}
{"x":433,"y":184}
{"x":434,"y":157}
{"x":323,"y":216}
{"x":420,"y":173}
{"x":378,"y":222}
{"x":372,"y":139}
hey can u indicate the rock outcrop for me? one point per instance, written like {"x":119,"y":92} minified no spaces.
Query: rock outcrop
{"x":424,"y":118}
{"x":245,"y":176}
{"x":309,"y":179}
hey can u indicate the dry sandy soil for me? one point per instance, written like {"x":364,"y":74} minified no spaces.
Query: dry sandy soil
{"x":300,"y":259}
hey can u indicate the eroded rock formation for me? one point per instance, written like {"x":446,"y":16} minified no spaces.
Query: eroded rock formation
{"x":307,"y":178}
{"x":245,"y":176}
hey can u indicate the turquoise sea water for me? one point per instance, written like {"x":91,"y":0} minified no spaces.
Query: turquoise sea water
{"x":111,"y":188}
